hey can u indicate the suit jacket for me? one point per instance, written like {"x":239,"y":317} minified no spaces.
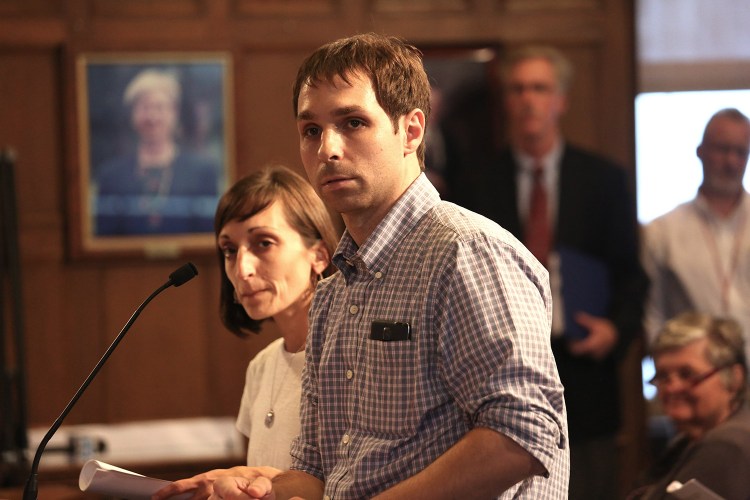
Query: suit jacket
{"x":596,"y":216}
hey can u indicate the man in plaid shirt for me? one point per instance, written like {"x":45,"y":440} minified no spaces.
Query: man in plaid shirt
{"x":429,"y":369}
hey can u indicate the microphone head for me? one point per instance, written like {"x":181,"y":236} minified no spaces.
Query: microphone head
{"x":184,"y":274}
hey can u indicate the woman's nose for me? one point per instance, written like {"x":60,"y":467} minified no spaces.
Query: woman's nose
{"x":245,"y":263}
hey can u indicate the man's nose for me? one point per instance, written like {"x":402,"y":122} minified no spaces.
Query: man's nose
{"x":330,"y":145}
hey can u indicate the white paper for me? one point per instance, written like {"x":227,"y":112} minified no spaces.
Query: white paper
{"x":691,"y":490}
{"x":106,"y":479}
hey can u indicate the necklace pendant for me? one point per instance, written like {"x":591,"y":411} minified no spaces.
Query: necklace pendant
{"x":269,"y":418}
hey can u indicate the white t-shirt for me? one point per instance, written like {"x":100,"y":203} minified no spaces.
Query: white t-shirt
{"x":272,"y":381}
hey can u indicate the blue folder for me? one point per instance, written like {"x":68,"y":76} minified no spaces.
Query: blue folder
{"x":585,"y":287}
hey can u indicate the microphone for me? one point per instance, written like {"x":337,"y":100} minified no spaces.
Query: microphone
{"x":179,"y":277}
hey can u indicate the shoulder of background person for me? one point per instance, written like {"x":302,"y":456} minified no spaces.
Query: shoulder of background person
{"x":587,"y":158}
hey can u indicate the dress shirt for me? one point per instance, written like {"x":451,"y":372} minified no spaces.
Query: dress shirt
{"x":524,"y":180}
{"x":374,"y":412}
{"x":688,"y":253}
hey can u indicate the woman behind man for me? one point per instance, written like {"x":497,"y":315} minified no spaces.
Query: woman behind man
{"x":274,"y":240}
{"x":701,"y":378}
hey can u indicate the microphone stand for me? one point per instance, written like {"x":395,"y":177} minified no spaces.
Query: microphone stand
{"x":177,"y":278}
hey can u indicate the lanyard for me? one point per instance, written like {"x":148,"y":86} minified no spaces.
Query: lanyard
{"x":724,"y":276}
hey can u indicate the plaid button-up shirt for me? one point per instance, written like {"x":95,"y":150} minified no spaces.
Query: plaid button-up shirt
{"x":376,"y":412}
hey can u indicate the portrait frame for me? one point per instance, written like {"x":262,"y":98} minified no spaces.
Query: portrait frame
{"x":155,"y":152}
{"x":466,"y":119}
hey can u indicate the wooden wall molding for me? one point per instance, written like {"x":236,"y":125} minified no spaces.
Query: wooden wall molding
{"x":148,"y":9}
{"x":31,"y":8}
{"x":422,"y":6}
{"x":549,"y":5}
{"x":264,"y":8}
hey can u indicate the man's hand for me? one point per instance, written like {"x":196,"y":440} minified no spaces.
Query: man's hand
{"x":600,"y":341}
{"x":241,"y":488}
{"x":202,"y":485}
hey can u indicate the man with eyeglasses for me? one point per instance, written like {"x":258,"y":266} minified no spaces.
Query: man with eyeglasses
{"x":574,"y":210}
{"x":697,"y":254}
{"x":701,"y":379}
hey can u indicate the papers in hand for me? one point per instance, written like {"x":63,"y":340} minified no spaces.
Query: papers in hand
{"x":691,"y":490}
{"x":100,"y":477}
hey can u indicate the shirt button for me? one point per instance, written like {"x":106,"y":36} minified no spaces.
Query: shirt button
{"x":349,"y":374}
{"x":345,"y":439}
{"x":378,"y":275}
{"x":354,"y":309}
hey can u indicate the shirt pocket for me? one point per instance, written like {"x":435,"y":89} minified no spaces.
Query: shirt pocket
{"x":387,"y":393}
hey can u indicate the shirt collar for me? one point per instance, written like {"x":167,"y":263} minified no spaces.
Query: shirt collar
{"x":550,"y":162}
{"x":703,"y":208}
{"x":375,"y":252}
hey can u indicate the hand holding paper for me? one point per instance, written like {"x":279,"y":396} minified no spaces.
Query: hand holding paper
{"x":691,"y":490}
{"x":100,"y":477}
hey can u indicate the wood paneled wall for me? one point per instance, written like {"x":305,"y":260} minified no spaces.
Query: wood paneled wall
{"x":178,"y":360}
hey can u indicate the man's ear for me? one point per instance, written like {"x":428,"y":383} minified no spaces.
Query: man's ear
{"x":414,"y":128}
{"x":321,"y":259}
{"x":738,"y":378}
{"x":699,"y":151}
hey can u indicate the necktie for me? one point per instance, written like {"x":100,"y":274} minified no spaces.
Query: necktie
{"x":538,"y":235}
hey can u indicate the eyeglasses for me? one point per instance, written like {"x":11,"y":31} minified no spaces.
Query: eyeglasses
{"x":725,"y":149}
{"x":686,"y":376}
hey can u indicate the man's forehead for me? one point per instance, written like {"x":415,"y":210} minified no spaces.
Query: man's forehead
{"x":307,"y":99}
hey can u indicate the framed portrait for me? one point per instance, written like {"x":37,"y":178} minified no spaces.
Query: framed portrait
{"x":154,"y":153}
{"x":466,"y":117}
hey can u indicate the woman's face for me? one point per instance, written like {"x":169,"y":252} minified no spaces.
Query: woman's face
{"x":155,"y":116}
{"x":269,"y":264}
{"x":689,"y":401}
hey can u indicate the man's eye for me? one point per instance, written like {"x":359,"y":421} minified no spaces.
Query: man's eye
{"x":542,"y":88}
{"x":686,"y":374}
{"x":311,"y":132}
{"x":356,"y":123}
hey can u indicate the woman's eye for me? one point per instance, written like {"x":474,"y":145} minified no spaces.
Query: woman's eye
{"x":228,"y":252}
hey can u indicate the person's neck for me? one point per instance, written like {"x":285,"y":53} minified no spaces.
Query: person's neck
{"x":361,"y":223}
{"x":536,"y":146}
{"x":293,"y":324}
{"x":697,"y":430}
{"x":721,"y":204}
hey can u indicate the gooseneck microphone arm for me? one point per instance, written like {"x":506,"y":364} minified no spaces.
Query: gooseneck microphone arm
{"x":177,"y":278}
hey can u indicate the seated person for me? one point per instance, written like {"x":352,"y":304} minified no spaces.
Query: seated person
{"x":701,"y":379}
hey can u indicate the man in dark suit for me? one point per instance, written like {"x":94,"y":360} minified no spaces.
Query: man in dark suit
{"x":586,"y":204}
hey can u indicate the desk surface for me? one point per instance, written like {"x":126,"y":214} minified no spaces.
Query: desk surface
{"x":61,"y":483}
{"x":165,"y":449}
{"x":54,"y":492}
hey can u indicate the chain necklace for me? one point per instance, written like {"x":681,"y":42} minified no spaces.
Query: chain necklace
{"x":270,"y":415}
